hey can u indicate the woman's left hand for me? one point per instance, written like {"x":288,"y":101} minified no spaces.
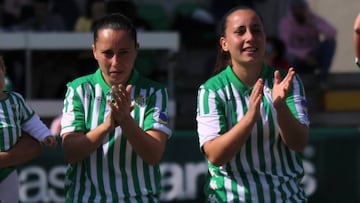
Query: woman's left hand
{"x":281,"y":87}
{"x":121,"y":107}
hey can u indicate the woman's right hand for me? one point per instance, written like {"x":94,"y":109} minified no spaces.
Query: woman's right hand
{"x":255,"y":99}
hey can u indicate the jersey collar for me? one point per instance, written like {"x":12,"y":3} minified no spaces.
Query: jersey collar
{"x":238,"y":84}
{"x":106,"y":88}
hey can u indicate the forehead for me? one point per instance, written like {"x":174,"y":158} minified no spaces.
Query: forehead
{"x":114,"y":39}
{"x":113,"y":34}
{"x":243,"y":17}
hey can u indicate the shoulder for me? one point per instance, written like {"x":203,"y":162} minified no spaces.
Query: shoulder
{"x":87,"y":79}
{"x":17,"y":99}
{"x":219,"y":81}
{"x":145,"y":83}
{"x":14,"y":94}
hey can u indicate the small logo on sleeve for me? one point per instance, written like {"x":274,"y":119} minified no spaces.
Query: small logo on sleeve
{"x":163,"y":118}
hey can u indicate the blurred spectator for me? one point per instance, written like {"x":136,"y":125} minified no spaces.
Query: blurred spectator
{"x":309,"y":39}
{"x":15,"y":6}
{"x":7,"y":19}
{"x":190,"y":18}
{"x":50,"y":68}
{"x":43,"y":18}
{"x":95,"y":9}
{"x":219,"y":8}
{"x":68,"y":10}
{"x":129,"y":9}
{"x":275,"y":53}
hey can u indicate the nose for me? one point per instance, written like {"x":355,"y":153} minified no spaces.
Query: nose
{"x":249,"y":35}
{"x":115,"y":59}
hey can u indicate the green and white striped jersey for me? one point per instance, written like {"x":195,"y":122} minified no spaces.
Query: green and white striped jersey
{"x":264,"y":170}
{"x":114,"y":172}
{"x":16,"y":115}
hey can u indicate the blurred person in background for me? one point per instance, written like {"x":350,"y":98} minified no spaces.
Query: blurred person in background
{"x":129,"y":9}
{"x":15,"y":6}
{"x":310,"y":40}
{"x":275,"y":53}
{"x":94,"y":10}
{"x":68,"y":10}
{"x":7,"y":19}
{"x":42,"y":18}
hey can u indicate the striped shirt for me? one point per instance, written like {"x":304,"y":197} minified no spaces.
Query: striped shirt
{"x":114,"y":172}
{"x":264,"y":170}
{"x":16,"y":115}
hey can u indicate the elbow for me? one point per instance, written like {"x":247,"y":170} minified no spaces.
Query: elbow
{"x":70,"y":159}
{"x":71,"y":156}
{"x":216,"y":162}
{"x":299,"y":145}
{"x":152,"y":163}
{"x":215,"y":157}
{"x":153,"y":160}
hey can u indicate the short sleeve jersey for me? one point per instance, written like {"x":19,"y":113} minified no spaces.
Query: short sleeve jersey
{"x":264,"y":170}
{"x":16,"y":116}
{"x":113,"y":172}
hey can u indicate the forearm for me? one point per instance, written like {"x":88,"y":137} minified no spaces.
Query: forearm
{"x":24,"y":150}
{"x":293,"y":133}
{"x":150,"y":145}
{"x":223,"y":148}
{"x":78,"y":145}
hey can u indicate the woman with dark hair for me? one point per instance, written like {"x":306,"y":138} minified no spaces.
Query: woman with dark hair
{"x":114,"y":125}
{"x":252,"y":120}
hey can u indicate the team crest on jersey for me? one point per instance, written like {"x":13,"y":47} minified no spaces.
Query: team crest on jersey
{"x":139,"y":100}
{"x":163,"y":118}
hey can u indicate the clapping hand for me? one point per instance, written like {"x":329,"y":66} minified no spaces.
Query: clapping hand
{"x":282,"y":87}
{"x":121,"y":105}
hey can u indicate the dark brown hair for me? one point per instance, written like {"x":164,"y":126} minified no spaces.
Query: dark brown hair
{"x":223,"y":58}
{"x":115,"y":21}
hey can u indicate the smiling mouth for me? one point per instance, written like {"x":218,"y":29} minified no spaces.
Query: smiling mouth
{"x":250,"y":49}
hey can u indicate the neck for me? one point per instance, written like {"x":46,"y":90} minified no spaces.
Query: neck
{"x":248,"y":73}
